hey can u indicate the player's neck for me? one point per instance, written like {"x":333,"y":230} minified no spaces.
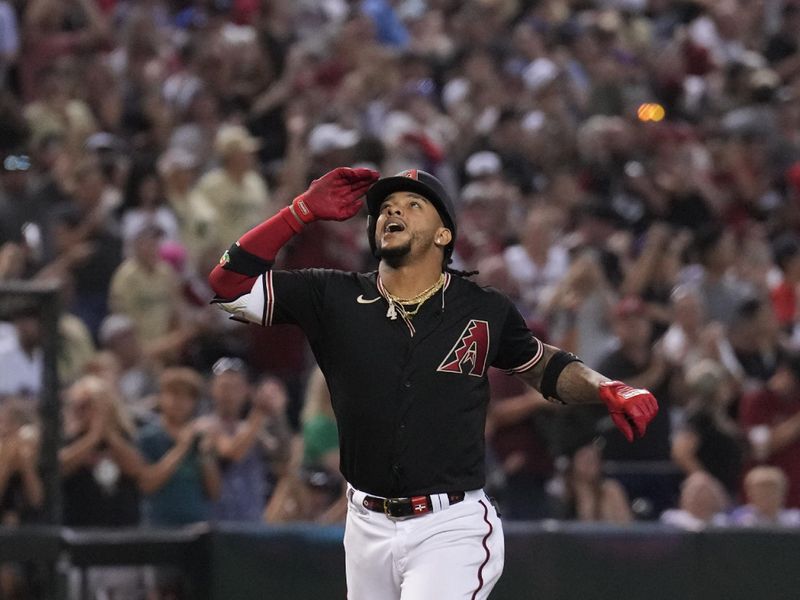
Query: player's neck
{"x":408,"y":280}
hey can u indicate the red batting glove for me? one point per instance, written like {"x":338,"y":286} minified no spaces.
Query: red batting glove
{"x":628,"y":406}
{"x":336,"y":196}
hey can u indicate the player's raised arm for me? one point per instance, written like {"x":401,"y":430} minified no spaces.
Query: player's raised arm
{"x":336,"y":196}
{"x":561,"y":377}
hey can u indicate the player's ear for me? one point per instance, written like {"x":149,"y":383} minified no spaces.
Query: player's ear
{"x":443,"y":237}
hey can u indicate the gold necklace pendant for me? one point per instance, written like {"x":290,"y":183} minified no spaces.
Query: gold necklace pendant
{"x":419,"y":299}
{"x":422,"y":296}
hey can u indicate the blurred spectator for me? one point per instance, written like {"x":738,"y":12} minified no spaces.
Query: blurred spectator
{"x":145,"y":208}
{"x":709,"y":439}
{"x":23,"y":217}
{"x":585,"y":493}
{"x":21,"y":486}
{"x":21,"y":355}
{"x":144,"y":287}
{"x":754,"y":338}
{"x":54,"y":29}
{"x":197,"y":222}
{"x":636,"y":359}
{"x":765,"y":493}
{"x":518,"y":425}
{"x":601,"y":151}
{"x":181,"y":477}
{"x":76,"y":346}
{"x":136,"y":378}
{"x":312,"y":488}
{"x":539,"y":262}
{"x":235,"y":190}
{"x":715,"y":250}
{"x":579,"y":308}
{"x":99,"y":462}
{"x":9,"y":40}
{"x":770,"y":417}
{"x":702,"y":504}
{"x":58,"y":111}
{"x":689,"y":337}
{"x":786,"y":251}
{"x":241,"y":441}
{"x":87,"y":246}
{"x":654,"y":273}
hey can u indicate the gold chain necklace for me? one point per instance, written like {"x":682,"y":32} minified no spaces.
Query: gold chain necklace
{"x":419,"y":299}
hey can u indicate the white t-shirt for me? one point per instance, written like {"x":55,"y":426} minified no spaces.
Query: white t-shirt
{"x":19,"y":372}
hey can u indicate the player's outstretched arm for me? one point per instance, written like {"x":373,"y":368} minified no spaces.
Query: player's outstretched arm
{"x":561,"y":377}
{"x":335,"y":196}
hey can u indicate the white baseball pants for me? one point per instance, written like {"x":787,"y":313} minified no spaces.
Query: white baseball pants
{"x":454,"y":553}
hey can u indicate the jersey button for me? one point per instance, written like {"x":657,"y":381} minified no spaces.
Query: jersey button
{"x":406,"y":384}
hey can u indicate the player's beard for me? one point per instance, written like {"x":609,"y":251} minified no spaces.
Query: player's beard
{"x":395,"y":256}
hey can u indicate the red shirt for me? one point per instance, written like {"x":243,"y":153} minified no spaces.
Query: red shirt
{"x":784,"y":302}
{"x":766,"y":408}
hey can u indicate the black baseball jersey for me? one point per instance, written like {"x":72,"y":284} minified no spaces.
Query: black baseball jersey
{"x":410,"y":396}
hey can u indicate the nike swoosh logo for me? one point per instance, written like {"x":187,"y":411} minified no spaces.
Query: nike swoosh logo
{"x":362,"y":300}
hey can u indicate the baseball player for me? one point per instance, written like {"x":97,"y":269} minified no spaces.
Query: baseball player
{"x":405,"y":352}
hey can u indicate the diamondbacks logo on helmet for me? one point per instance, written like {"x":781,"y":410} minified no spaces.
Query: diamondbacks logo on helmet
{"x":470,"y":352}
{"x":411,"y":174}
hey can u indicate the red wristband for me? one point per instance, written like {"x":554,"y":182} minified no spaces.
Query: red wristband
{"x":301,"y":210}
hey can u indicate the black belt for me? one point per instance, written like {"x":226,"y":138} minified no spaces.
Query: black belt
{"x":415,"y":506}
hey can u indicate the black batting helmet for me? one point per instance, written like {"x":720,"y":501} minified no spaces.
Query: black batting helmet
{"x":419,"y":182}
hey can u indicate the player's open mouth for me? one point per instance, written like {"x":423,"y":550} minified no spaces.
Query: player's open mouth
{"x":394,"y":227}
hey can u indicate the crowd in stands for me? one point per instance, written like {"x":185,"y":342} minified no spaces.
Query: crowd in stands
{"x":627,"y":171}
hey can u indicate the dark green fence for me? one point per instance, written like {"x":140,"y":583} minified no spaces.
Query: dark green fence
{"x":544,"y":561}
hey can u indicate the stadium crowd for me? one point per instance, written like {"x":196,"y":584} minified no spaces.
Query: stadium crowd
{"x":627,"y":171}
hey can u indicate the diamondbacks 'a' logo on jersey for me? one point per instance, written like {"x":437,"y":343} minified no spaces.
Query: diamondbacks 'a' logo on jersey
{"x":470,"y":352}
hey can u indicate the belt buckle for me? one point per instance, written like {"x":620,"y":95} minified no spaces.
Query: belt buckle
{"x":388,"y":503}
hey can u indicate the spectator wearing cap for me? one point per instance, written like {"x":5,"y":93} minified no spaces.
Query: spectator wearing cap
{"x":235,"y":190}
{"x":331,"y":145}
{"x":146,"y":207}
{"x":484,"y":221}
{"x":144,"y":287}
{"x":181,"y":476}
{"x":770,"y":418}
{"x":197,"y":222}
{"x":483,"y":165}
{"x":241,"y":442}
